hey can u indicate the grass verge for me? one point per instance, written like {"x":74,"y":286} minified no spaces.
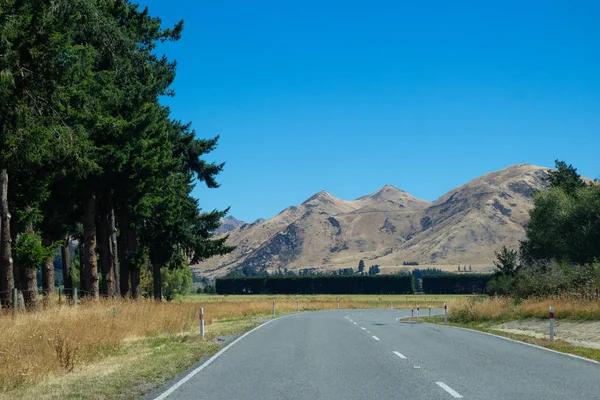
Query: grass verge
{"x":557,"y":345}
{"x":119,"y":349}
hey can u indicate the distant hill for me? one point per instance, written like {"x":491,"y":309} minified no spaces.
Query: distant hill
{"x":228,"y":224}
{"x":388,"y":227}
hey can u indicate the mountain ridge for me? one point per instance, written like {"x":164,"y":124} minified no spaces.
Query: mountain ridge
{"x":389,"y":226}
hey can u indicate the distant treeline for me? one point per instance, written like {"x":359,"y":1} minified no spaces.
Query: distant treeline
{"x":327,"y":284}
{"x":455,"y":283}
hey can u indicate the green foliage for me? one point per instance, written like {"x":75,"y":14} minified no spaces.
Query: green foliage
{"x":507,"y":262}
{"x":30,"y":252}
{"x":374,"y":269}
{"x":326,"y":284}
{"x":455,"y":283}
{"x":553,"y":278}
{"x":564,"y":226}
{"x":566,"y":178}
{"x":361,"y":266}
{"x":175,"y":282}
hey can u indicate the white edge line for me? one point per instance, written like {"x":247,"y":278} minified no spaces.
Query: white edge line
{"x":527,"y":344}
{"x":399,"y":355}
{"x":375,"y":337}
{"x":186,"y":378}
{"x":448,"y":389}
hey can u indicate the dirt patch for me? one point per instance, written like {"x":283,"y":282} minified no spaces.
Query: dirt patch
{"x":585,"y":334}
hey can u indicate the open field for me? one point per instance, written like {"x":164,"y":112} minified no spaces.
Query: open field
{"x":120,"y":348}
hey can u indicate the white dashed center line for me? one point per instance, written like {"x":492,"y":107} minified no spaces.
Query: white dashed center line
{"x":448,"y":389}
{"x":400,"y":355}
{"x":375,"y":337}
{"x":364,"y":329}
{"x":355,"y":323}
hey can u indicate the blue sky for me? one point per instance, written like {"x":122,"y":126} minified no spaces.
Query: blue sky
{"x":347,"y":96}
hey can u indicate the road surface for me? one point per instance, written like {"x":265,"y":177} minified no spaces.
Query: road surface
{"x":370,"y":354}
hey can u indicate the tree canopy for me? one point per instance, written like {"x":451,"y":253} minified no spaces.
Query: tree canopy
{"x":88,"y":152}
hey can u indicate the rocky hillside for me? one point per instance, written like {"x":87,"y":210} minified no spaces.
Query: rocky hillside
{"x":388,"y":227}
{"x":228,"y":224}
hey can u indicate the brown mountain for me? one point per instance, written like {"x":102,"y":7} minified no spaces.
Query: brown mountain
{"x":388,"y":227}
{"x":228,"y":224}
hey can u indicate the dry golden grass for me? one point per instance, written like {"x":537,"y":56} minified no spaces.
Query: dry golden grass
{"x":480,"y":309}
{"x":62,"y":340}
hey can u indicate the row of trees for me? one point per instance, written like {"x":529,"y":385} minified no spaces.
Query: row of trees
{"x":324,"y":284}
{"x":88,"y":153}
{"x":561,"y":251}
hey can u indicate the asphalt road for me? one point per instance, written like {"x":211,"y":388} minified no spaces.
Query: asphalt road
{"x":369,"y":354}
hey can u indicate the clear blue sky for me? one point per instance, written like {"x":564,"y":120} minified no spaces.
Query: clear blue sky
{"x":347,"y":96}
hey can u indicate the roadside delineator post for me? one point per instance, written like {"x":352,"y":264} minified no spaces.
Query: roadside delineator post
{"x":418,"y":311}
{"x":273,"y":308}
{"x":337,"y":303}
{"x":75,"y":296}
{"x":202,"y":322}
{"x":430,"y":311}
{"x":445,"y":313}
{"x":391,"y":306}
{"x":551,"y":323}
{"x":297,"y":307}
{"x":412,"y":312}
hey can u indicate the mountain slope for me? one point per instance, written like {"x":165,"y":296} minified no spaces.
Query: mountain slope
{"x":388,"y":227}
{"x":228,"y":224}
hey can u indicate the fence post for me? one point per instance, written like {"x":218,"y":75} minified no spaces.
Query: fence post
{"x":273,"y":308}
{"x":297,"y":307}
{"x":59,"y":297}
{"x":15,"y":301}
{"x":337,"y":303}
{"x":202,"y":322}
{"x":75,"y":296}
{"x":551,"y":323}
{"x":445,"y":313}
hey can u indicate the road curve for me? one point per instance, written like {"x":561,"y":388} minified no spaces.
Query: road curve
{"x":369,"y":354}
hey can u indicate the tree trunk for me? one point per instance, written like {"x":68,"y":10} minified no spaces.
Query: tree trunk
{"x":47,"y":272}
{"x":124,"y":264}
{"x":29,"y":286}
{"x":7,"y":281}
{"x":105,"y":266}
{"x":157,"y":281}
{"x":89,"y":235}
{"x":134,"y":270}
{"x":28,"y":279}
{"x":66,"y":264}
{"x":113,"y":253}
{"x":83,"y":279}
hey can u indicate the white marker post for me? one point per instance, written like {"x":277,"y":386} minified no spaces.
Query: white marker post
{"x":412,"y":312}
{"x":445,"y":313}
{"x":297,"y":307}
{"x":430,"y":311}
{"x":417,"y":311}
{"x":391,"y":308}
{"x":337,"y":303}
{"x":273,"y":308}
{"x":202,"y":322}
{"x":551,"y":323}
